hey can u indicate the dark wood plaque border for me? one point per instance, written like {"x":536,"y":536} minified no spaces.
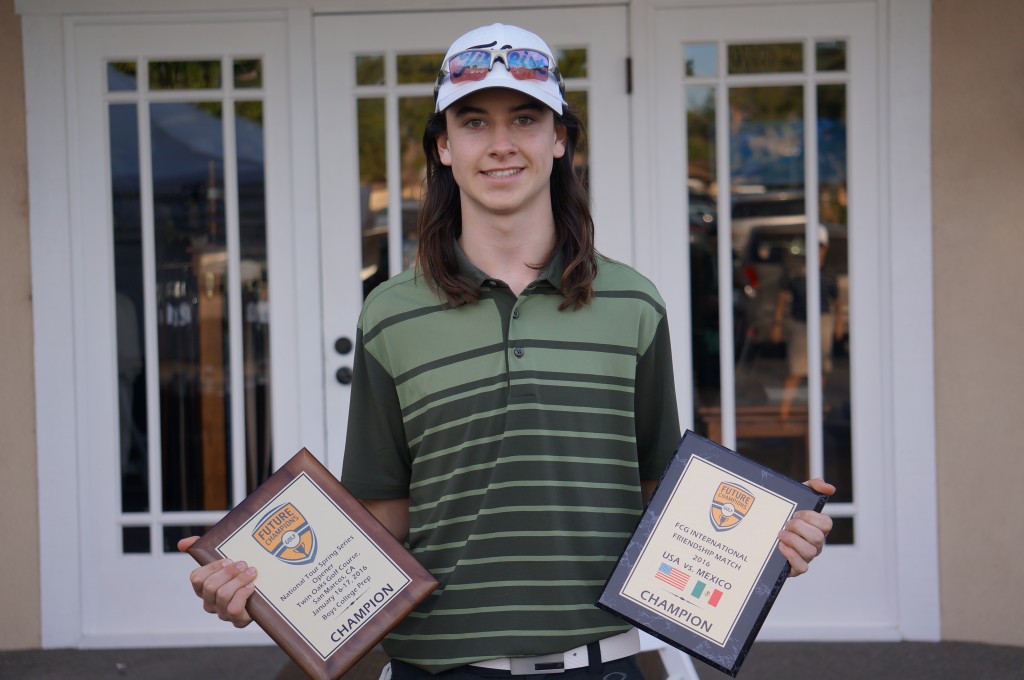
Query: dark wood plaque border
{"x":263,"y":613}
{"x":727,"y":658}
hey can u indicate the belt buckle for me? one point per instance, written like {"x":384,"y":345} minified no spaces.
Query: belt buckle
{"x":538,"y":665}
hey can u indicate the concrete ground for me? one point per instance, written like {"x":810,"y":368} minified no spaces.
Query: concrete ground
{"x":766,"y":661}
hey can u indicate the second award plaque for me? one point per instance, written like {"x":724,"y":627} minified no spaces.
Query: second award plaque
{"x":703,"y":569}
{"x":331,"y":581}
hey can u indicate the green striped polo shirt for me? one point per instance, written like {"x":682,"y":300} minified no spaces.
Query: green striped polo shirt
{"x":520,"y":434}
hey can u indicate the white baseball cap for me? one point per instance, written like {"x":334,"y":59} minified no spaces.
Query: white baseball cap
{"x":500,"y":37}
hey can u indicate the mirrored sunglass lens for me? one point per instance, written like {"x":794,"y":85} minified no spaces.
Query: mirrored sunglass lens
{"x":469,"y":65}
{"x":527,"y":65}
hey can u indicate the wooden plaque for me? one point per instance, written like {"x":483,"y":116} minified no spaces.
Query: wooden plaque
{"x":331,"y":580}
{"x":703,"y":568}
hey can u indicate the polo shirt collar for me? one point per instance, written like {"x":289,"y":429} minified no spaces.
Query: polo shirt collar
{"x":552,"y":273}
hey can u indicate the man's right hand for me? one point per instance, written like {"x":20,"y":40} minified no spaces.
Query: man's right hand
{"x":224,"y":586}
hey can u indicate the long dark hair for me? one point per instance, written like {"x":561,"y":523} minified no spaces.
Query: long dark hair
{"x":440,"y":223}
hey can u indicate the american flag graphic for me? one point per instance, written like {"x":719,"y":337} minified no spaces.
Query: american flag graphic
{"x":672,"y":576}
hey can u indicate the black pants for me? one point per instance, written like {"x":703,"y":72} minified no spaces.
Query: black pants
{"x":620,"y":669}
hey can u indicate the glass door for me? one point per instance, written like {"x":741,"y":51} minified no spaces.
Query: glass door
{"x":182,"y":177}
{"x":771,"y":110}
{"x":375,"y":81}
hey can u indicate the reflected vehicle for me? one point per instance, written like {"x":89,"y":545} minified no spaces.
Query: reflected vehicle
{"x":771,"y":251}
{"x":758,"y":207}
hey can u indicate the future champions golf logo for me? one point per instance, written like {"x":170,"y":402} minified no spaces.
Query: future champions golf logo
{"x":730,"y":505}
{"x":286,"y":535}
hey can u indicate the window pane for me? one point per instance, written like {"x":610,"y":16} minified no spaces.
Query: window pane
{"x":135,"y":540}
{"x":577,"y":101}
{"x":832,"y":205}
{"x":128,"y":291}
{"x":373,"y":192}
{"x":701,"y":60}
{"x":830,"y":55}
{"x":769,"y":318}
{"x":572,"y":63}
{"x":370,"y":70}
{"x":766,"y":58}
{"x":413,"y":113}
{"x":248,"y":74}
{"x":191,"y":256}
{"x":842,"y":531}
{"x":173,"y":534}
{"x":702,"y":179}
{"x":252,"y":231}
{"x":121,"y":76}
{"x":418,"y":68}
{"x":184,"y":75}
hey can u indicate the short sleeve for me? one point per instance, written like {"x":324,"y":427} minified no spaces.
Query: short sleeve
{"x":655,"y":413}
{"x":377,"y":460}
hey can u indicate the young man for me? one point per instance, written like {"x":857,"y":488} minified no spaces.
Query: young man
{"x":513,"y":400}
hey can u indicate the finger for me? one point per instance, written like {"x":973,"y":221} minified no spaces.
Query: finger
{"x":186,"y":543}
{"x":217,"y":579}
{"x":821,"y":522}
{"x":797,"y":564}
{"x":803,"y":536}
{"x":199,"y":575}
{"x":235,"y":608}
{"x":799,"y":547}
{"x":233,"y":595}
{"x":819,"y":485}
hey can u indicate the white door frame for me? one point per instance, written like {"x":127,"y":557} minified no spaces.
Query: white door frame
{"x":66,"y":383}
{"x":907,"y":415}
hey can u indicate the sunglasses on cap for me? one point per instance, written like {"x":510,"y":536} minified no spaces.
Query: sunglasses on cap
{"x":522,"y":64}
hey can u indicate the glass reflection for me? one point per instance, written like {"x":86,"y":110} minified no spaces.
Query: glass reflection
{"x":184,"y":75}
{"x":252,"y":232}
{"x":248,"y":74}
{"x":128,"y":294}
{"x":701,"y":60}
{"x":832,"y":206}
{"x":373,"y":192}
{"x":418,"y":68}
{"x":830,"y":55}
{"x":765,"y":58}
{"x":702,"y":178}
{"x":767,"y":154}
{"x":121,"y":76}
{"x":190,"y":285}
{"x":134,"y":540}
{"x":191,"y":256}
{"x":370,"y":70}
{"x":577,"y":100}
{"x":413,"y":113}
{"x":572,"y":63}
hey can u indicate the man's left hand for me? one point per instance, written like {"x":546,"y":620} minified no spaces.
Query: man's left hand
{"x":803,"y":537}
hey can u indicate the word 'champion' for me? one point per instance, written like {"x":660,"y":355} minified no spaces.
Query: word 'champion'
{"x":358,"y":615}
{"x":676,"y":611}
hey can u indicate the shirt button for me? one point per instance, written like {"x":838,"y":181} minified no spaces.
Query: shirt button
{"x":515,"y":313}
{"x":519,"y":352}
